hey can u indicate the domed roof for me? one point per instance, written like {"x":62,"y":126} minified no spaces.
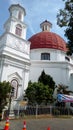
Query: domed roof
{"x":47,"y":40}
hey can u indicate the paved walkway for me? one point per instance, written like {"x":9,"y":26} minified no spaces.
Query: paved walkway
{"x":41,"y":124}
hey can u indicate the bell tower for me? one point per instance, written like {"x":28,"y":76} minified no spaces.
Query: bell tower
{"x":15,"y":53}
{"x":15,"y":24}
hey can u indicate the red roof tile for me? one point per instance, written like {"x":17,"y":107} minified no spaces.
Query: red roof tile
{"x":47,"y":40}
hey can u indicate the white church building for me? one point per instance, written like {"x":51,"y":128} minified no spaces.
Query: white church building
{"x":48,"y":53}
{"x":22,"y":60}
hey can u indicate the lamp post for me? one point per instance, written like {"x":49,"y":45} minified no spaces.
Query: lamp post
{"x":10,"y":111}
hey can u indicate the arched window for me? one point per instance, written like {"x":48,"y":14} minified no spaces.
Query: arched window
{"x":45,"y":27}
{"x":45,"y":56}
{"x":19,"y":15}
{"x":67,"y":58}
{"x":14,"y":90}
{"x":18,"y":30}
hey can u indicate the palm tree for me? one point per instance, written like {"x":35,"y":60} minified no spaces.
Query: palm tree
{"x":63,"y":89}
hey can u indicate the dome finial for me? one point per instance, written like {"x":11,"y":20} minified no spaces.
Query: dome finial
{"x":46,"y":25}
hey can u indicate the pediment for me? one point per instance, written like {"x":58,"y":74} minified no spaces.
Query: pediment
{"x":14,"y":76}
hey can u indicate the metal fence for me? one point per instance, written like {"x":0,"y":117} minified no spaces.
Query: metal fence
{"x":42,"y":110}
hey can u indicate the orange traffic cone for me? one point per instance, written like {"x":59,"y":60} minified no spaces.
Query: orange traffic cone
{"x":7,"y":124}
{"x":48,"y":128}
{"x":24,"y":127}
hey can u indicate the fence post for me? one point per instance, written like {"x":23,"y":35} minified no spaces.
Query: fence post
{"x":36,"y":110}
{"x":68,"y":111}
{"x":51,"y":110}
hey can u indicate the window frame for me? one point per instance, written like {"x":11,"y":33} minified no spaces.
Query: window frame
{"x":67,"y":58}
{"x":20,"y":15}
{"x":15,"y":86}
{"x":45,"y":56}
{"x":18,"y":30}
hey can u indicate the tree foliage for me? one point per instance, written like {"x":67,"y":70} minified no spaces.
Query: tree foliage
{"x":38,"y":93}
{"x":62,"y":89}
{"x":65,"y":18}
{"x":5,"y":88}
{"x":47,"y":80}
{"x":41,"y":91}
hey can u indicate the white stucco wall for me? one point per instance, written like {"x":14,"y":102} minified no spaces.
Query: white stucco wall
{"x":55,"y":55}
{"x":58,"y":67}
{"x":57,"y":70}
{"x":8,"y":70}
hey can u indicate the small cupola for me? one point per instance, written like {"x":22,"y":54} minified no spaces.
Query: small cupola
{"x":46,"y":25}
{"x":17,"y":12}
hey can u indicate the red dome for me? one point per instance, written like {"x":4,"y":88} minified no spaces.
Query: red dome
{"x":47,"y":40}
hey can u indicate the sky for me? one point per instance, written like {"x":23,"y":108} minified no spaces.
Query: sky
{"x":37,"y":11}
